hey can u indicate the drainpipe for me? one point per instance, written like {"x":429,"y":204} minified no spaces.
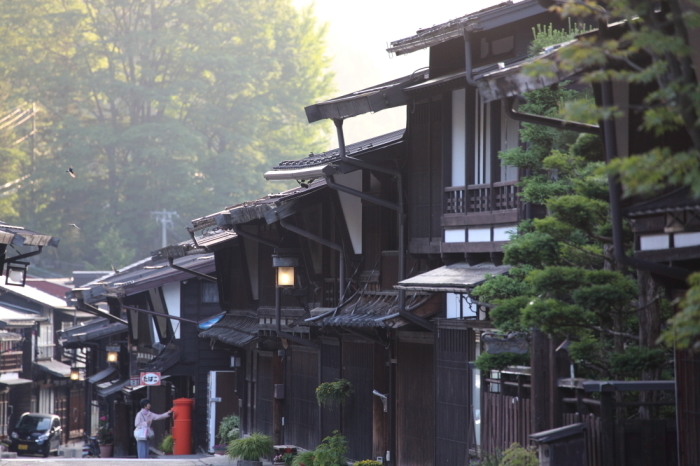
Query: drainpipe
{"x":341,"y":262}
{"x":398,"y":207}
{"x":615,"y":196}
{"x":203,"y":276}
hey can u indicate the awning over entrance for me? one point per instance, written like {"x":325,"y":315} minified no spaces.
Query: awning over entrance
{"x":456,"y":278}
{"x":108,"y":388}
{"x":95,"y":329}
{"x":233,"y":330}
{"x":54,"y":367}
{"x":375,"y":309}
{"x":102,"y":375}
{"x":13,"y":378}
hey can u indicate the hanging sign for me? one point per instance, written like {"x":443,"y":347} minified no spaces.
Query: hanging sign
{"x":150,"y":378}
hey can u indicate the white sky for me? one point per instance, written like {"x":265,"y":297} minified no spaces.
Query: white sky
{"x":358,"y":34}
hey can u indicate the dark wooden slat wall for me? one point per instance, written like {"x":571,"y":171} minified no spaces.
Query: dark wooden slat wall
{"x":358,"y":368}
{"x":301,"y":408}
{"x":436,"y":186}
{"x":264,"y":395}
{"x":453,"y":427}
{"x":415,"y":405}
{"x":330,"y":372}
{"x":417,"y":173}
{"x":688,"y":406}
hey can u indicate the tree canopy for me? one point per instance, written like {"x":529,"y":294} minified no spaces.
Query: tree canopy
{"x":175,"y":105}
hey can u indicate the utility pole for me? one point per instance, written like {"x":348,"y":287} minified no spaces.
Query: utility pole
{"x":165,"y":217}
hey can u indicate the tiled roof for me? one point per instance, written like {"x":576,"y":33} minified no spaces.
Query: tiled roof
{"x":234,"y":330}
{"x":17,"y":235}
{"x":370,"y":309}
{"x":333,"y":156}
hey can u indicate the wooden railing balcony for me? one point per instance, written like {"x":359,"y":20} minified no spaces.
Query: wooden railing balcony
{"x":491,"y":197}
{"x":11,"y":361}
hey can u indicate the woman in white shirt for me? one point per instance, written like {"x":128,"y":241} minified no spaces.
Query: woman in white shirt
{"x":144,"y":419}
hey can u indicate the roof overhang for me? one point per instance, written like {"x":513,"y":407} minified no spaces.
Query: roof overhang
{"x":320,"y":171}
{"x":514,"y":80}
{"x":20,"y":236}
{"x":374,"y":99}
{"x":455,"y":278}
{"x":488,"y":18}
{"x":54,"y":367}
{"x":13,"y":378}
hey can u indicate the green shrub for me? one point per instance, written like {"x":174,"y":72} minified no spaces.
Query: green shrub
{"x":166,"y":445}
{"x":331,"y":452}
{"x":304,"y":459}
{"x":229,"y":429}
{"x":250,"y":448}
{"x":516,"y":455}
{"x":367,"y":463}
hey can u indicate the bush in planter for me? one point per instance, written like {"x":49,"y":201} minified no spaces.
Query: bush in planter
{"x":250,"y":448}
{"x":367,"y":463}
{"x":229,"y":429}
{"x":166,"y":445}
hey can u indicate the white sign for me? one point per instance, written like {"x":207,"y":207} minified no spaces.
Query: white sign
{"x":150,"y":378}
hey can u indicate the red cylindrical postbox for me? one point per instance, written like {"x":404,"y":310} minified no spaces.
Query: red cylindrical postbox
{"x":182,"y":426}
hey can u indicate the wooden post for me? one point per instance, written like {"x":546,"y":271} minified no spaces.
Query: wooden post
{"x":607,"y":428}
{"x":540,"y":381}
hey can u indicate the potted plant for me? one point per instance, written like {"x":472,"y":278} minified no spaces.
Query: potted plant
{"x":166,"y":445}
{"x":329,"y":394}
{"x":250,"y":449}
{"x":105,"y":437}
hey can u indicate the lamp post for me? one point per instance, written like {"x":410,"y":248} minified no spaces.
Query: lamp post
{"x":284,"y":262}
{"x":74,"y":373}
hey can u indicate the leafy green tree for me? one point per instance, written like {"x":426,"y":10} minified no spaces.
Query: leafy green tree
{"x":655,"y":50}
{"x":176,"y":105}
{"x":565,"y":281}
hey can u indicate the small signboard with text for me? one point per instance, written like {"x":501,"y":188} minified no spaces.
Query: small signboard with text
{"x":151,"y":379}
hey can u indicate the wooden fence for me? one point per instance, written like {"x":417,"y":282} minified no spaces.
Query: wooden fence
{"x":592,"y":434}
{"x":506,"y":420}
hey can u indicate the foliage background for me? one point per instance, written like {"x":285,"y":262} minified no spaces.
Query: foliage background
{"x":175,"y":105}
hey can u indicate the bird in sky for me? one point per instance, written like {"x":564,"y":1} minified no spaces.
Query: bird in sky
{"x":74,"y":225}
{"x":70,"y":172}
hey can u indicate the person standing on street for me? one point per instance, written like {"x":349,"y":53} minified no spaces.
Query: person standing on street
{"x":144,"y":419}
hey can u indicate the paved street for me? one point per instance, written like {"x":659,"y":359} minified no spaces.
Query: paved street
{"x":185,"y":460}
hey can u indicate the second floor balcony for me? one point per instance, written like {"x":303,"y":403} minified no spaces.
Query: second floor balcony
{"x":481,"y":198}
{"x":11,"y":361}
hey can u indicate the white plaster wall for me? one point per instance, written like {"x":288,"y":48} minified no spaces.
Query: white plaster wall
{"x":684,"y":240}
{"x":455,"y":235}
{"x":171,"y":294}
{"x":352,"y":207}
{"x":459,"y":138}
{"x":479,"y":235}
{"x":501,"y":233}
{"x":652,"y":242}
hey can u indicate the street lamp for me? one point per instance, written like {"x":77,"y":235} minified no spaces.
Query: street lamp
{"x":16,"y":273}
{"x":74,"y":373}
{"x":284,"y":261}
{"x":112,"y":353}
{"x":285,"y":268}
